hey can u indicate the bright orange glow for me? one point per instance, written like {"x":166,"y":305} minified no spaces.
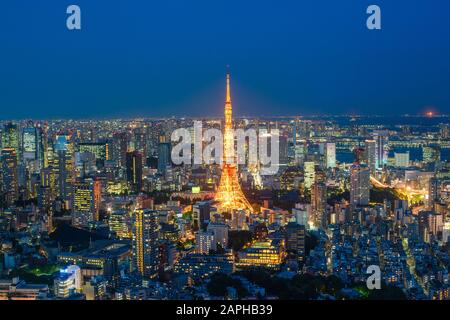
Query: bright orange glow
{"x":229,"y":194}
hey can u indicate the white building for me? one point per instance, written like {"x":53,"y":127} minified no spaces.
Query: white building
{"x":401,"y":159}
{"x":330,"y":153}
{"x":68,"y":282}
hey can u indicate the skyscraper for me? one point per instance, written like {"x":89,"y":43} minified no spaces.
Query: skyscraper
{"x":370,"y":155}
{"x":330,"y":154}
{"x":309,"y":174}
{"x":164,"y":149}
{"x":9,"y":175}
{"x":319,"y":204}
{"x":120,"y":147}
{"x":30,"y":142}
{"x":134,"y":170}
{"x":145,"y":242}
{"x":401,"y":159}
{"x":359,"y":185}
{"x":10,"y":138}
{"x":295,"y":241}
{"x":86,"y":202}
{"x":381,"y":140}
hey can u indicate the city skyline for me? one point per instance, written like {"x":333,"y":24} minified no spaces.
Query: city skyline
{"x":210,"y":152}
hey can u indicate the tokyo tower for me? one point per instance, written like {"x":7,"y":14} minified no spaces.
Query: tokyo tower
{"x":229,"y":194}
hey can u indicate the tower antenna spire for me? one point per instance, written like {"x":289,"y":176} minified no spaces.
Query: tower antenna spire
{"x":228,"y":99}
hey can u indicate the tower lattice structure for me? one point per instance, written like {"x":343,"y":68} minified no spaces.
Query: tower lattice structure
{"x":229,"y":193}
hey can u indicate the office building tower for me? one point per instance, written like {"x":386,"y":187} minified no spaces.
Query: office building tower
{"x":9,"y":187}
{"x":201,"y":214}
{"x":164,"y":156}
{"x":401,"y":159}
{"x":100,"y":150}
{"x":319,"y":204}
{"x":330,"y":155}
{"x":120,"y":223}
{"x":433,"y":192}
{"x":145,"y":242}
{"x":309,"y":174}
{"x":30,"y":142}
{"x":359,"y":185}
{"x":381,"y":140}
{"x":10,"y":138}
{"x":301,"y":214}
{"x":86,"y":202}
{"x":283,"y":150}
{"x":120,"y":148}
{"x":295,"y":241}
{"x":64,"y":166}
{"x":204,"y":242}
{"x":371,"y":155}
{"x":220,"y":235}
{"x":134,"y":170}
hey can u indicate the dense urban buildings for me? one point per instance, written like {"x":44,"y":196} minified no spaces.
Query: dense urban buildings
{"x":97,"y":210}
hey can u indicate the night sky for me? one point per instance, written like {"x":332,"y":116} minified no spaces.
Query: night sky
{"x":162,"y":58}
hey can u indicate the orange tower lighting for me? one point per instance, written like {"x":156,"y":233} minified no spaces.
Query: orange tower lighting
{"x":229,"y":194}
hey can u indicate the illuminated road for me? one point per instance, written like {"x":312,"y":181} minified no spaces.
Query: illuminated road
{"x":406,"y":192}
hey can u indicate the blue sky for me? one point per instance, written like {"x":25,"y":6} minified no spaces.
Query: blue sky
{"x":161,"y":58}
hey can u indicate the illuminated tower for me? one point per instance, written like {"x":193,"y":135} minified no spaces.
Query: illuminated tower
{"x":229,"y":194}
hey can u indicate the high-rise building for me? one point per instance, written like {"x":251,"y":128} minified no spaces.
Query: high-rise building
{"x":86,"y":202}
{"x":164,"y":156}
{"x":120,"y":148}
{"x":283,"y":150}
{"x":319,"y":204}
{"x":30,"y":142}
{"x":433,"y":192}
{"x":9,"y":175}
{"x":381,"y":140}
{"x":201,"y":214}
{"x":10,"y":138}
{"x":145,"y":242}
{"x":359,"y":185}
{"x":370,"y":155}
{"x":99,"y":149}
{"x":119,"y":222}
{"x":295,"y":241}
{"x":301,"y":213}
{"x":64,"y":167}
{"x":330,"y":155}
{"x":134,"y":170}
{"x":204,"y":242}
{"x":220,"y":235}
{"x":309,"y":173}
{"x":401,"y":159}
